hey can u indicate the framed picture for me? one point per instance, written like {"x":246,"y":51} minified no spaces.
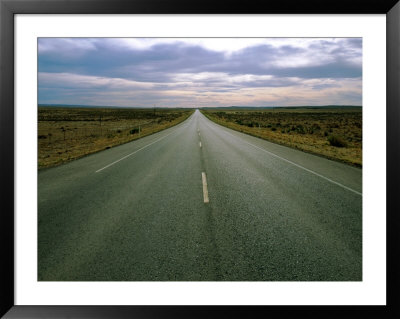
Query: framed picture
{"x":306,"y":75}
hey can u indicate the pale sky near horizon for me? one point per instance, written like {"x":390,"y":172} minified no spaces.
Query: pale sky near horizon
{"x":199,"y":72}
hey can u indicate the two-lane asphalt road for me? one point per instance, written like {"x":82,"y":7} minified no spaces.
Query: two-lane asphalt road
{"x":200,"y":202}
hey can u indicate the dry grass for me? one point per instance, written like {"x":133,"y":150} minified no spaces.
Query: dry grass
{"x":65,"y":134}
{"x":332,"y":133}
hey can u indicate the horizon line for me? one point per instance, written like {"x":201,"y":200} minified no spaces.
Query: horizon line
{"x":194,"y":107}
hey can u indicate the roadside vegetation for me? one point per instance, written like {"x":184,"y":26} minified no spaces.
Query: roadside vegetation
{"x":335,"y":133}
{"x":65,"y":134}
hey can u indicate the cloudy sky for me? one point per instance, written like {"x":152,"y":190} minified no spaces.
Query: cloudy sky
{"x":199,"y":72}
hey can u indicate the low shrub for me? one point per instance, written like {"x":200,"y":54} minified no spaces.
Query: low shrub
{"x":300,"y":129}
{"x":337,"y":141}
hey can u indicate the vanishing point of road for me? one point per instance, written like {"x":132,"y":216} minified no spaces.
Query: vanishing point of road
{"x":200,"y":202}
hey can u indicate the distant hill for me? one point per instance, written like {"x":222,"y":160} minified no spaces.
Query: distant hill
{"x":89,"y":106}
{"x":285,"y":107}
{"x":210,"y":107}
{"x":107,"y":106}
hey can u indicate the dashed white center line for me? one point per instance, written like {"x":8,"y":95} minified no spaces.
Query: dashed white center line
{"x":205,"y":191}
{"x":200,"y":144}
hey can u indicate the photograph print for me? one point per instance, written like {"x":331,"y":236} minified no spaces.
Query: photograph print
{"x":199,"y":159}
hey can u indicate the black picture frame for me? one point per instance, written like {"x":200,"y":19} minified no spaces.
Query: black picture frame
{"x":8,"y":8}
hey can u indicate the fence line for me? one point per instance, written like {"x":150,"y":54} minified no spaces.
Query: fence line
{"x":56,"y":135}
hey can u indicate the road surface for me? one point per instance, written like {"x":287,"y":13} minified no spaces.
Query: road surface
{"x":200,"y":202}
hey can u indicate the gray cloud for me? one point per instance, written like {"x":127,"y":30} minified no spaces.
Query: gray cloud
{"x":98,"y":66}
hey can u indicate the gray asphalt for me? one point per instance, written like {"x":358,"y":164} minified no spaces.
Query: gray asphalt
{"x":136,"y":212}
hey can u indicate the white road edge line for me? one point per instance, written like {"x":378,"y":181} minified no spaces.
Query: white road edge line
{"x":299,"y":166}
{"x":133,"y":153}
{"x":205,"y":191}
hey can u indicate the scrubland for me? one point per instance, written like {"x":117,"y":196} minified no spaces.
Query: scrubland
{"x":335,"y":133}
{"x":65,"y":134}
